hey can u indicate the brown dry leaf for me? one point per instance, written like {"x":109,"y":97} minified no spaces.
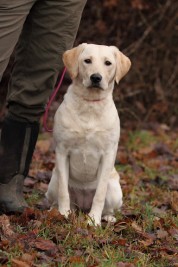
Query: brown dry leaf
{"x":28,"y":215}
{"x":125,"y":264}
{"x":30,"y":182}
{"x":76,"y":259}
{"x":44,"y":245}
{"x":162,"y":149}
{"x":118,"y":227}
{"x":44,"y":145}
{"x":136,"y":227}
{"x":44,"y":176}
{"x":28,"y":258}
{"x":149,"y":150}
{"x":122,"y":157}
{"x":43,"y":204}
{"x":5,"y":226}
{"x":19,"y":263}
{"x":162,"y":234}
{"x":169,"y":254}
{"x":158,"y":222}
{"x":173,"y":182}
{"x":147,"y":242}
{"x":153,"y":162}
{"x":4,"y":243}
{"x":174,"y":200}
{"x":41,"y":186}
{"x":174,"y":233}
{"x":54,"y":216}
{"x":161,"y":106}
{"x":36,"y":224}
{"x":139,"y":230}
{"x":159,"y":212}
{"x":129,"y":212}
{"x":174,"y":164}
{"x":120,"y":242}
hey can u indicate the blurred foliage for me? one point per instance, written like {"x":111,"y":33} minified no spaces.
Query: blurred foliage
{"x":146,"y":32}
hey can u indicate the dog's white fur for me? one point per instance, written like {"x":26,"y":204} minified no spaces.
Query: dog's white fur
{"x":86,"y":134}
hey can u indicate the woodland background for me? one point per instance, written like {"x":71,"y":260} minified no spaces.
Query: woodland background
{"x":146,"y":31}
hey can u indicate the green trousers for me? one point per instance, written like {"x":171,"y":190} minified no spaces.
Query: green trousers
{"x":42,"y":30}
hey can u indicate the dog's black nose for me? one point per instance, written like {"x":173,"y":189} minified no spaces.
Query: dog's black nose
{"x":95,"y":78}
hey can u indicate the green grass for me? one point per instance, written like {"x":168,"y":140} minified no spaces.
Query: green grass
{"x":140,"y":139}
{"x":33,"y":197}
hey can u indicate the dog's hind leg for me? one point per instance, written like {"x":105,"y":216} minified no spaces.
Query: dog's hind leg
{"x":113,"y":201}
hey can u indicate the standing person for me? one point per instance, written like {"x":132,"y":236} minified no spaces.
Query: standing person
{"x":44,"y":29}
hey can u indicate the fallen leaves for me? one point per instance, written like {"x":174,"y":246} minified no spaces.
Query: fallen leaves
{"x":19,"y":263}
{"x":44,"y":145}
{"x":120,"y":242}
{"x":76,"y":260}
{"x":120,"y":226}
{"x":124,"y":264}
{"x":147,"y":242}
{"x":174,"y":233}
{"x":5,"y":226}
{"x":161,"y":234}
{"x":136,"y":227}
{"x":146,"y":227}
{"x":44,"y":245}
{"x":173,"y":182}
{"x":174,"y":200}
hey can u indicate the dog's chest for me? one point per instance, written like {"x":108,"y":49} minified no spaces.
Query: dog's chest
{"x":84,"y":158}
{"x":86,"y":137}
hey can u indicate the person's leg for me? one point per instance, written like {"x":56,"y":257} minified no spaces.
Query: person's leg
{"x":12,"y":17}
{"x":49,"y":30}
{"x":17,"y":144}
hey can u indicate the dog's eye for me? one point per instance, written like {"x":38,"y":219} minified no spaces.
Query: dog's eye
{"x":88,"y":61}
{"x":107,"y":63}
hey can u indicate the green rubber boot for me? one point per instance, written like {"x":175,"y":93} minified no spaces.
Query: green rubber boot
{"x":11,"y":196}
{"x":18,"y":140}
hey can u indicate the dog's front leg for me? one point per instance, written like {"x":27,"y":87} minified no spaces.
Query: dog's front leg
{"x":104,"y":172}
{"x":62,"y":168}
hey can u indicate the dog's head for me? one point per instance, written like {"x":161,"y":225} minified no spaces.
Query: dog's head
{"x":97,"y":66}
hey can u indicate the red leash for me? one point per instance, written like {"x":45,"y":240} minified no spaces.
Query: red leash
{"x":51,"y":100}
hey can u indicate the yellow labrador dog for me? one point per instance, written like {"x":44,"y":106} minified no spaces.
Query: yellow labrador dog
{"x":86,"y":134}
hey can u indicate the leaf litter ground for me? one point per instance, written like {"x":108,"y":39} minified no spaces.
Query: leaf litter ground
{"x":146,"y":231}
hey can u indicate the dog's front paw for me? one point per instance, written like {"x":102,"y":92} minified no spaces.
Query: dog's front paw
{"x":65,"y":212}
{"x":94,"y":220}
{"x":109,"y":218}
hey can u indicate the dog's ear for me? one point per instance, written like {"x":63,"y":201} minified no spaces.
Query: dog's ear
{"x":123,"y":64}
{"x":70,"y":59}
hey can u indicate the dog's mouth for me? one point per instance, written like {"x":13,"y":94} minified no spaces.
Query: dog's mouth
{"x":95,"y":86}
